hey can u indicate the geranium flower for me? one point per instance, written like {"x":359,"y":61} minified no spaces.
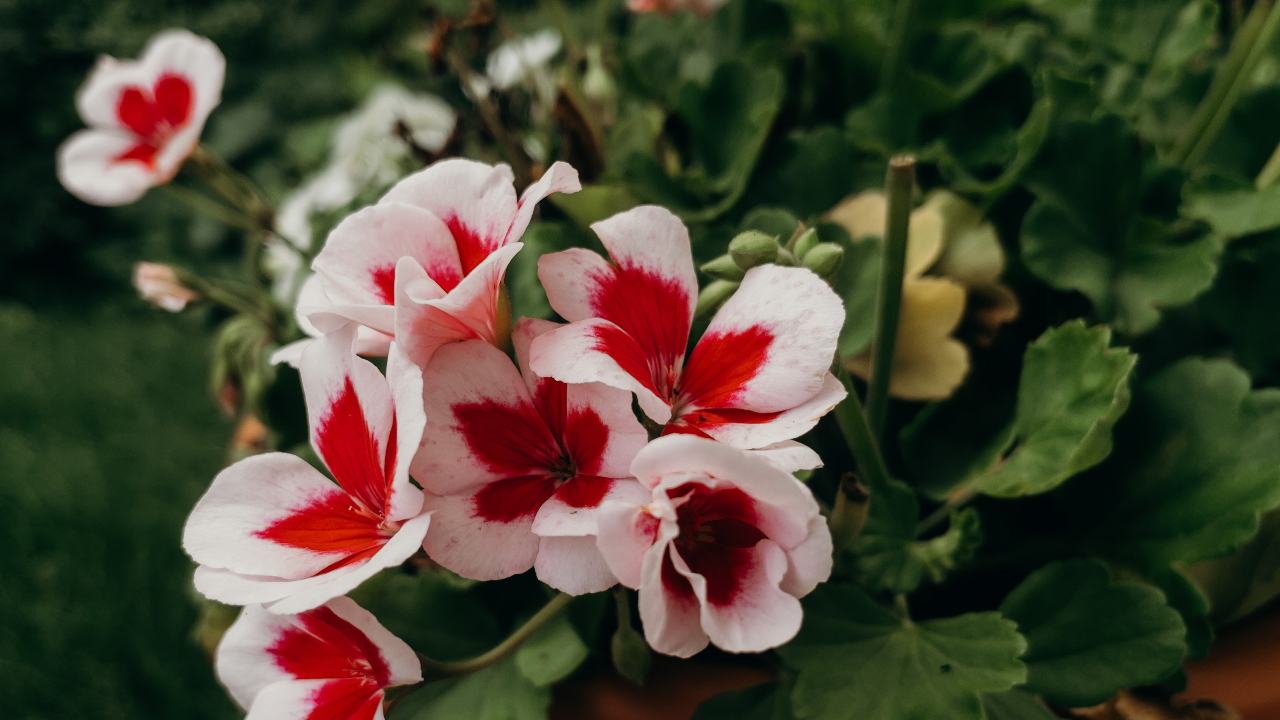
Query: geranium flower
{"x":516,"y":465}
{"x":426,"y":263}
{"x":272,"y":529}
{"x":144,"y":118}
{"x":759,"y":374}
{"x":333,"y":662}
{"x":721,"y":552}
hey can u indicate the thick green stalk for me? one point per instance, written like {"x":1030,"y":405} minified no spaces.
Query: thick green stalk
{"x":849,"y":512}
{"x":899,"y":183}
{"x":449,"y":668}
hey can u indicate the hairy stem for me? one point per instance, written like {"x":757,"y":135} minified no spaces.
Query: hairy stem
{"x":899,"y":186}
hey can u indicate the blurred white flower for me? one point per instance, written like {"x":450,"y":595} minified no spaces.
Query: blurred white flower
{"x":159,"y":285}
{"x":523,"y":59}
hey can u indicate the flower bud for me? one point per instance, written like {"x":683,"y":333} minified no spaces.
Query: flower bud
{"x":715,"y":293}
{"x":753,"y":248}
{"x":159,"y":285}
{"x":722,"y":268}
{"x":805,"y":243}
{"x":824,"y":259}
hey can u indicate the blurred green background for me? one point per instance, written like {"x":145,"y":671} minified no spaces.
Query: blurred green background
{"x":107,"y":430}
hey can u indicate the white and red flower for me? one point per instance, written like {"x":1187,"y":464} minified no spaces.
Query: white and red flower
{"x":144,"y":118}
{"x":333,"y":662}
{"x":722,"y":551}
{"x":515,"y":465}
{"x":425,"y":264}
{"x":274,"y":530}
{"x":758,"y":376}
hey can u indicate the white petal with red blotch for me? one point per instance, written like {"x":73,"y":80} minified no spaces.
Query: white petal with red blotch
{"x":470,"y":310}
{"x":358,"y":262}
{"x":773,"y":429}
{"x":477,"y":202}
{"x":573,"y":354}
{"x":760,"y":615}
{"x":352,"y":416}
{"x":769,"y":347}
{"x":790,"y":455}
{"x":671,"y":619}
{"x":652,"y":240}
{"x":625,"y":532}
{"x":557,"y":518}
{"x":809,"y":563}
{"x":86,"y":168}
{"x":479,"y":419}
{"x":173,"y":51}
{"x":573,"y":565}
{"x":559,"y":178}
{"x":343,"y":699}
{"x":292,"y":596}
{"x":263,"y":648}
{"x":476,"y":547}
{"x":569,"y":278}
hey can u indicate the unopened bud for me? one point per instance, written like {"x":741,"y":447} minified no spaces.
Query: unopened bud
{"x":722,"y":268}
{"x":785,"y":258}
{"x":715,"y":293}
{"x":752,"y":248}
{"x":824,"y":259}
{"x":807,"y":240}
{"x":159,"y":285}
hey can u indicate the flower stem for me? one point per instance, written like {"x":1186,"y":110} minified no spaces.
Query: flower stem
{"x":450,"y":668}
{"x":866,"y":453}
{"x":899,"y":185}
{"x":1250,"y":45}
{"x":1270,"y":172}
{"x":205,"y":205}
{"x":937,"y":517}
{"x":891,"y":71}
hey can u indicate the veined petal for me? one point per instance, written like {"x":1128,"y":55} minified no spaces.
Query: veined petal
{"x":745,"y":429}
{"x":759,"y":615}
{"x":563,"y":516}
{"x":487,"y":538}
{"x":342,"y":699}
{"x":559,"y":178}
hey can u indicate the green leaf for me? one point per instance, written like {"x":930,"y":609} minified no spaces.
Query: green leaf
{"x":1085,"y":232}
{"x":1200,"y":465}
{"x":818,"y":169}
{"x":498,"y":692}
{"x":857,"y":661}
{"x":887,"y":556}
{"x":1241,"y":304}
{"x":631,"y":655}
{"x":1073,"y":389}
{"x":552,"y":653}
{"x":770,"y":701}
{"x":1015,"y":705}
{"x":1190,"y":602}
{"x":1232,"y":208}
{"x":1027,"y":143}
{"x":1090,"y":635}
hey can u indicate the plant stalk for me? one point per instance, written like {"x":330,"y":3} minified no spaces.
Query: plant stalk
{"x":849,"y":513}
{"x":450,"y":668}
{"x":1270,"y":172}
{"x":899,"y":186}
{"x":891,"y":71}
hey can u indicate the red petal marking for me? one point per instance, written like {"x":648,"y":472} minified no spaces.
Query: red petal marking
{"x":584,"y":491}
{"x":384,"y":283}
{"x":654,"y":311}
{"x":617,"y":344}
{"x":722,"y":364}
{"x":350,"y":450}
{"x":700,"y":422}
{"x":320,"y":645}
{"x":330,"y":524}
{"x":154,"y":113}
{"x":512,"y":499}
{"x":473,"y":247}
{"x":508,"y":439}
{"x":345,"y":700}
{"x":142,"y":152}
{"x":718,"y":529}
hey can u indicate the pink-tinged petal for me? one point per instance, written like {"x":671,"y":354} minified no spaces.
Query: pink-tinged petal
{"x":759,"y":615}
{"x":573,"y":565}
{"x":625,"y":532}
{"x":358,"y":262}
{"x":522,"y":335}
{"x":275,"y":515}
{"x":744,"y":429}
{"x":194,"y":58}
{"x":473,"y":309}
{"x":597,"y":351}
{"x":481,"y":422}
{"x":88,"y":168}
{"x":809,"y":563}
{"x":292,"y":596}
{"x":568,"y":279}
{"x":352,"y":418}
{"x":564,"y":515}
{"x":476,"y":201}
{"x":341,"y":699}
{"x":783,"y":505}
{"x":790,"y":455}
{"x":559,"y":178}
{"x":405,"y":382}
{"x":668,"y":606}
{"x":487,"y":537}
{"x":769,"y":346}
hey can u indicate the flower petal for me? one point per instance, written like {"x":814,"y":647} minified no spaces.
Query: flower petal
{"x":790,"y":455}
{"x":337,"y":699}
{"x":559,"y":178}
{"x":573,"y":565}
{"x":624,"y":534}
{"x":760,"y":615}
{"x":668,"y":608}
{"x":482,"y":548}
{"x":87,"y":168}
{"x":744,"y":429}
{"x":559,"y":518}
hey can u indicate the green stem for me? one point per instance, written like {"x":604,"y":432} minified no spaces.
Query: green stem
{"x":937,"y":517}
{"x":849,"y":513}
{"x":218,"y":294}
{"x":899,"y":186}
{"x":209,"y":207}
{"x":1270,"y":172}
{"x":891,"y":71}
{"x":450,"y":668}
{"x":1249,"y":47}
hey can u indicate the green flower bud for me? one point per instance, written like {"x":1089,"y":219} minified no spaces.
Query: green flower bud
{"x":715,"y":293}
{"x":722,"y":268}
{"x":752,"y":248}
{"x":785,"y":258}
{"x":805,"y":243}
{"x":824,"y":259}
